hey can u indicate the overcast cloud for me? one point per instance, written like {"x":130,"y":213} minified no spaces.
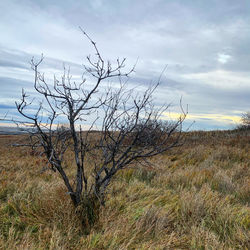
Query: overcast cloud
{"x":206,"y":45}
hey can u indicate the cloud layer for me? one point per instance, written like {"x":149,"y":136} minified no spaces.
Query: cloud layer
{"x":206,"y":45}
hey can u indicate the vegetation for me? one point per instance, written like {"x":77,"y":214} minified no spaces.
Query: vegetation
{"x":192,"y":197}
{"x":130,"y":129}
{"x":160,"y":196}
{"x":245,"y":121}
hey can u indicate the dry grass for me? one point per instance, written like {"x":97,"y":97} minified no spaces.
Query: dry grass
{"x":194,"y":197}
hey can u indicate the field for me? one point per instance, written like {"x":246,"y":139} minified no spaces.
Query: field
{"x":193,"y":197}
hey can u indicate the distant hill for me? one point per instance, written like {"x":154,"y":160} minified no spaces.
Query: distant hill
{"x":12,"y":131}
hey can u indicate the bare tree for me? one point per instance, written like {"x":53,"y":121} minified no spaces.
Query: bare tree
{"x":129,"y":125}
{"x":245,"y":119}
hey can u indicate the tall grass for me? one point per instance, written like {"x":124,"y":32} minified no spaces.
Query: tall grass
{"x":194,"y":197}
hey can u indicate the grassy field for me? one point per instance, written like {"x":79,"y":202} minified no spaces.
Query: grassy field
{"x":193,"y":197}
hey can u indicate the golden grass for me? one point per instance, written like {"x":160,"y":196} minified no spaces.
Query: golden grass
{"x":193,"y":197}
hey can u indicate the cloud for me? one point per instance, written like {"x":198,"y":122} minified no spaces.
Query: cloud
{"x":2,"y":106}
{"x":205,"y":44}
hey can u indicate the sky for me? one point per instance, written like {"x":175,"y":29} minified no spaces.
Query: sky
{"x":204,"y":44}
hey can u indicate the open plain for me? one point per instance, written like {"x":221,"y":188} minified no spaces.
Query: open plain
{"x":192,"y":197}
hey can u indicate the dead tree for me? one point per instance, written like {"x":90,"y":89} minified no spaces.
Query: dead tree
{"x":244,"y":124}
{"x":245,"y":119}
{"x":129,"y":127}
